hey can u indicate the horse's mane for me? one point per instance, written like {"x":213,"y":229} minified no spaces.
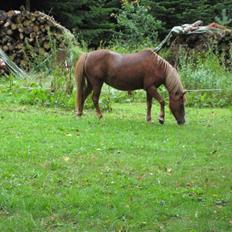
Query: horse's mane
{"x":172,"y":79}
{"x":173,"y":82}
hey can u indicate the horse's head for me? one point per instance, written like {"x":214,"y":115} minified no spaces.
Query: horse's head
{"x":176,"y":104}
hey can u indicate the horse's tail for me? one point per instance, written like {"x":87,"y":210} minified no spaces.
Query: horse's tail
{"x":80,"y":81}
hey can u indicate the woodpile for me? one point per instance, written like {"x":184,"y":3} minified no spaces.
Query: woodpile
{"x":26,"y":36}
{"x":217,"y":41}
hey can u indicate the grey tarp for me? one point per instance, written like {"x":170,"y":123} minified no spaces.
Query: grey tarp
{"x":11,"y":65}
{"x":186,"y":29}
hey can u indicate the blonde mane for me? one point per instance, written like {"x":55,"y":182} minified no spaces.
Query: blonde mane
{"x":172,"y":79}
{"x":173,"y":82}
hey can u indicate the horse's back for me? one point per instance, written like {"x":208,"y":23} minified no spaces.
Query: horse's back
{"x":124,"y":72}
{"x":111,"y":55}
{"x":97,"y":62}
{"x":108,"y":61}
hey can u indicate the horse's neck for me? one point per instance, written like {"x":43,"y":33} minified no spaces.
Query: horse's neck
{"x":172,"y":81}
{"x":171,"y":78}
{"x":169,"y":82}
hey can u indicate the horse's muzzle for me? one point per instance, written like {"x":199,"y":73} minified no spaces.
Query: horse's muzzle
{"x":181,"y":122}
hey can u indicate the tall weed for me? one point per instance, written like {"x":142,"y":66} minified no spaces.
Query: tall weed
{"x":205,"y":74}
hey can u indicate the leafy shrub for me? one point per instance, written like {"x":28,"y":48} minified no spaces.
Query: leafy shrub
{"x":136,"y":25}
{"x":206,"y":73}
{"x":224,"y":19}
{"x":32,"y":93}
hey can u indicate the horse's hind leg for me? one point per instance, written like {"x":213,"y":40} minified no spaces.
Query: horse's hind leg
{"x":95,"y":97}
{"x":86,"y":93}
{"x":79,"y":108}
{"x":152,"y":91}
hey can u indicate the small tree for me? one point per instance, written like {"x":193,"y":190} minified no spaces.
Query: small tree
{"x":224,"y":20}
{"x":136,"y":25}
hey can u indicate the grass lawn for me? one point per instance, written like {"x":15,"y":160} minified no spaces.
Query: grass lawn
{"x":59,"y":173}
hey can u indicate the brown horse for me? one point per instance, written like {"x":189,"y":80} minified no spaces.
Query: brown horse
{"x":143,"y":70}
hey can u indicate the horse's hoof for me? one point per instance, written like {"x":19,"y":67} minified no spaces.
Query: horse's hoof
{"x":149,"y":120}
{"x":161,"y":120}
{"x":79,"y":114}
{"x":99,"y":116}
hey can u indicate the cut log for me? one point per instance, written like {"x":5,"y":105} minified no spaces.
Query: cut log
{"x":26,"y":35}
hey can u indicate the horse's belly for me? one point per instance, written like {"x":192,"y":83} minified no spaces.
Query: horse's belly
{"x":125,"y":83}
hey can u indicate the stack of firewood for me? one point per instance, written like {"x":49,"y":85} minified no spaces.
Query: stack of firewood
{"x":25,"y":36}
{"x":218,"y":41}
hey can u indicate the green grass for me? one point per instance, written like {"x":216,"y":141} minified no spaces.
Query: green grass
{"x":60,"y":173}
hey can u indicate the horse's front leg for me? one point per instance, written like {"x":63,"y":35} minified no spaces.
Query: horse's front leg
{"x":149,"y":105}
{"x":95,"y":97}
{"x":154,"y":93}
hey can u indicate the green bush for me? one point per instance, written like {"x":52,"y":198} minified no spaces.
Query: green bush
{"x":204,"y":71}
{"x":136,"y":26}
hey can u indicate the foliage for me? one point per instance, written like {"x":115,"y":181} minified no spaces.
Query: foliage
{"x":224,"y":20}
{"x":136,"y":25}
{"x":60,"y":173}
{"x":204,"y":71}
{"x":94,"y":21}
{"x":49,"y":91}
{"x":178,"y":12}
{"x":91,"y":20}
